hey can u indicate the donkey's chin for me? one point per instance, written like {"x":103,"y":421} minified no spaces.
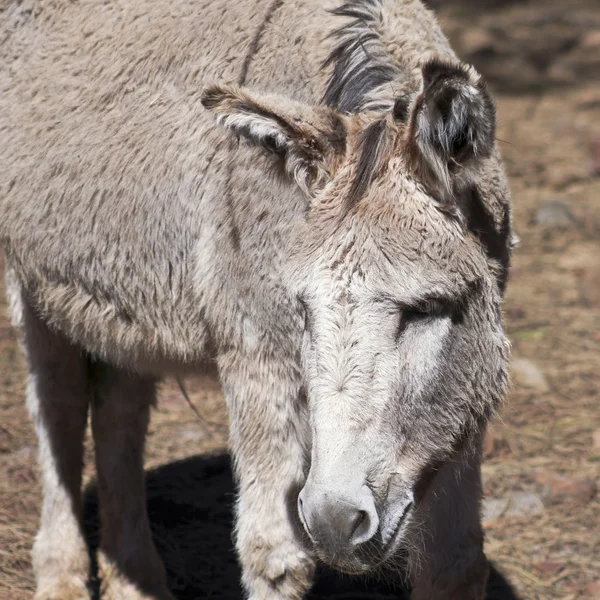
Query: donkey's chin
{"x":350,"y":564}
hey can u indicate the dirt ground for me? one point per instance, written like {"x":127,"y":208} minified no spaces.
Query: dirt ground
{"x":542,"y":59}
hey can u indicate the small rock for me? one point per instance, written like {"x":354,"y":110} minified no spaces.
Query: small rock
{"x":568,"y":174}
{"x":596,"y":440}
{"x":595,"y":157}
{"x":590,"y":286}
{"x":515,"y":506}
{"x":526,"y":374}
{"x":524,"y":504}
{"x":558,"y":488}
{"x":592,"y":590}
{"x":591,"y":41}
{"x":548,"y":567}
{"x":554,"y":213}
{"x":194,"y":436}
{"x":493,"y":509}
{"x":494,"y":443}
{"x":172,"y":402}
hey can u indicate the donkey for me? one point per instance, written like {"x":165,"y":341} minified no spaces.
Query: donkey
{"x":339,"y":255}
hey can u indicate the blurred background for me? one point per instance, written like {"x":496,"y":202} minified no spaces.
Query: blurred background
{"x":542,"y":458}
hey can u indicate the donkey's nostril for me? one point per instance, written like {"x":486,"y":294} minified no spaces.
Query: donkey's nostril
{"x":334,"y":520}
{"x":362,"y":521}
{"x":363,"y":528}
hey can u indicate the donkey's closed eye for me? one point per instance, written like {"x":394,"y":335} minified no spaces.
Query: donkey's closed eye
{"x":409,"y":315}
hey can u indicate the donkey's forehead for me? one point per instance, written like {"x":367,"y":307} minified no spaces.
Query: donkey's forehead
{"x":407,"y":255}
{"x":396,"y":221}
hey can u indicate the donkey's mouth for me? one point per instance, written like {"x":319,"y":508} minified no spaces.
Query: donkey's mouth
{"x":395,"y":531}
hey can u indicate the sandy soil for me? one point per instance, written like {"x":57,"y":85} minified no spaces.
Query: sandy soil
{"x":543,"y":62}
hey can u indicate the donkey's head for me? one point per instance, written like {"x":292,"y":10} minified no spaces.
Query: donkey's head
{"x":397,"y":270}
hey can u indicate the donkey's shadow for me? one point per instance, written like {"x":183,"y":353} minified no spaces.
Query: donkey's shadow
{"x":190,"y":506}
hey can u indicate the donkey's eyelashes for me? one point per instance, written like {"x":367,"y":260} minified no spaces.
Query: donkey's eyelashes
{"x":410,"y":316}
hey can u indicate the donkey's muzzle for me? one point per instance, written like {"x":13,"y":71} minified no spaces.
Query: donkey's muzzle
{"x":338,"y":521}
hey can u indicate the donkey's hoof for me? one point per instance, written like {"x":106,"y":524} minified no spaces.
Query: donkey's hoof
{"x":64,"y":589}
{"x":285,"y":573}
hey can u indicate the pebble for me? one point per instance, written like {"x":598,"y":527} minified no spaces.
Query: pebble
{"x":548,"y":567}
{"x":556,"y":214}
{"x":592,"y":590}
{"x":591,"y":41}
{"x":557,"y":488}
{"x":528,"y":375}
{"x":590,"y":286}
{"x":514,"y":506}
{"x":596,"y":440}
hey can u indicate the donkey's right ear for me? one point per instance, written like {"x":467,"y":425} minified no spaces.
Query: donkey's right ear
{"x":310,"y":140}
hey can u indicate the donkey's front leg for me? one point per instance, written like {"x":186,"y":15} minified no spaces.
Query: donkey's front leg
{"x":269,"y":436}
{"x":449,"y":563}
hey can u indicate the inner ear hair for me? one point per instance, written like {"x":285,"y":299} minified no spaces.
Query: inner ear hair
{"x":249,"y":117}
{"x":310,"y":140}
{"x":451,"y":125}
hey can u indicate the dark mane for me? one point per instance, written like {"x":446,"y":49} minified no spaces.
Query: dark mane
{"x":371,"y":150}
{"x":360,"y":62}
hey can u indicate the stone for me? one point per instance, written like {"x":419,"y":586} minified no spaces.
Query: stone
{"x":592,"y":590}
{"x":528,"y":375}
{"x":548,"y":567}
{"x":595,"y":156}
{"x":493,"y":509}
{"x":589,"y":285}
{"x":557,"y":488}
{"x":568,"y":174}
{"x":591,"y":40}
{"x":524,"y":504}
{"x":514,"y":506}
{"x":173,"y":401}
{"x":596,"y":440}
{"x":554,"y":214}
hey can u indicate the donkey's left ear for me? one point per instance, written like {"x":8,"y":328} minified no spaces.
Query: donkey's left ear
{"x":310,"y":140}
{"x":452,"y":126}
